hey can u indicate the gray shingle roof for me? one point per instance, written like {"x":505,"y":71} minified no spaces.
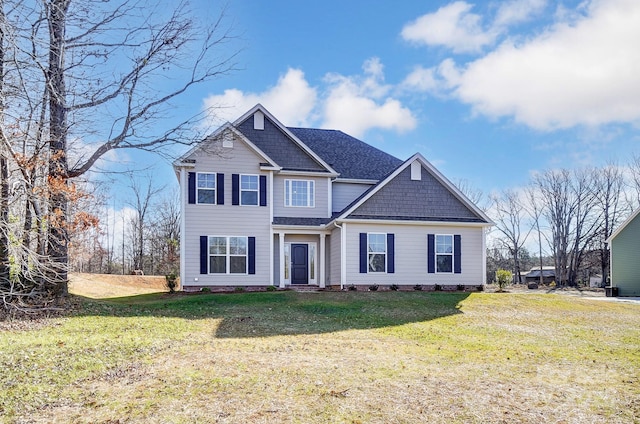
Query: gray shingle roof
{"x":349,"y":156}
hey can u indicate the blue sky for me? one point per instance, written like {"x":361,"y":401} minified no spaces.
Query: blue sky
{"x":489,"y":92}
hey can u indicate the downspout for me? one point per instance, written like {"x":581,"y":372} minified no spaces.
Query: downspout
{"x":343,"y":253}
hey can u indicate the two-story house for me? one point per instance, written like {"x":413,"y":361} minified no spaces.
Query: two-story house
{"x":263,"y":204}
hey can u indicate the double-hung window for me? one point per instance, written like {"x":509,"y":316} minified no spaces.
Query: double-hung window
{"x":249,"y":190}
{"x":377,"y":252}
{"x":228,"y":255}
{"x":444,"y":253}
{"x":206,"y":188}
{"x":299,"y":193}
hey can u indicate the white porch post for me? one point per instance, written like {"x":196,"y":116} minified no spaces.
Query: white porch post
{"x":281,"y":261}
{"x":343,"y":255}
{"x":183,"y":232}
{"x":322,"y":260}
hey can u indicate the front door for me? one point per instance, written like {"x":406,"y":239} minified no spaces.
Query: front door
{"x":299,"y":264}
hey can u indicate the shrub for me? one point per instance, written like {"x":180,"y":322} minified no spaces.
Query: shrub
{"x":373,"y":287}
{"x":417,"y":287}
{"x":352,"y":288}
{"x":205,"y":290}
{"x":503,"y":278}
{"x":394,"y":287}
{"x":271,"y":288}
{"x":171,"y":281}
{"x":437,"y":287}
{"x":239,"y":289}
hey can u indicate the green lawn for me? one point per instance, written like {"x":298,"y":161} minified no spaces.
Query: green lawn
{"x":332,"y":357}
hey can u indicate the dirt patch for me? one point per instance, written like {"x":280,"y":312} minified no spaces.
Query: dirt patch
{"x":101,"y":286}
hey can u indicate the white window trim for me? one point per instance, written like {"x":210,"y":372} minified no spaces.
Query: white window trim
{"x":287,"y":262}
{"x":228,"y":256}
{"x":435,"y":252}
{"x":257,"y":190}
{"x":215,"y":190}
{"x":386,"y":254}
{"x":311,"y":198}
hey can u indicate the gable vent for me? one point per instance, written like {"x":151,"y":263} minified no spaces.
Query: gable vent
{"x":416,"y":171}
{"x":258,"y":120}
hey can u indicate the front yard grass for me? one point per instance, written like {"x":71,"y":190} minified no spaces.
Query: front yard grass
{"x":339,"y":357}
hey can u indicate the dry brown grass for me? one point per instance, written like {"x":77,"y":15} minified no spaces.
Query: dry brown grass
{"x":487,"y":358}
{"x":104,"y":286}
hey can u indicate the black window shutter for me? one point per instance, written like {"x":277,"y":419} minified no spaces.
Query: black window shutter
{"x":431,"y":253}
{"x":391,"y":253}
{"x":235,"y":189}
{"x":363,"y":253}
{"x":192,"y":187}
{"x":263,"y":190}
{"x":457,"y":255}
{"x":204,"y":255}
{"x":220,"y":189}
{"x":252,"y":255}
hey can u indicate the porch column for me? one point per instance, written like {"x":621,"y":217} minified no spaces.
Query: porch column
{"x":281,"y":259}
{"x":322,"y":260}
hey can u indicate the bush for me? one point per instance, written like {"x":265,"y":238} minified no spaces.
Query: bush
{"x":437,"y":287}
{"x":417,"y":287}
{"x":171,"y":281}
{"x":503,"y":278}
{"x":352,"y":288}
{"x":271,"y":288}
{"x":239,"y":289}
{"x":373,"y":287}
{"x":205,"y":290}
{"x":394,"y":287}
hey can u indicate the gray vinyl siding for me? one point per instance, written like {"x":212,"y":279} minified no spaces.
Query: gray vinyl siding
{"x":334,"y":258}
{"x":411,"y":255}
{"x":227,"y":219}
{"x":403,"y":198}
{"x":345,"y":193}
{"x":321,"y":208}
{"x":625,"y":253}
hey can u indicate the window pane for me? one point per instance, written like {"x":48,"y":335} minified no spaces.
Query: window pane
{"x":238,"y":245}
{"x":287,"y":197}
{"x":206,"y":180}
{"x":249,"y":182}
{"x":444,"y":263}
{"x":217,"y":245}
{"x":444,"y":244}
{"x":238,"y":264}
{"x":249,"y":198}
{"x":377,"y":262}
{"x":377,"y":243}
{"x":312,"y":261}
{"x":286,"y":262}
{"x":218,"y":264}
{"x":298,"y":193}
{"x":206,"y":196}
{"x":311,"y":194}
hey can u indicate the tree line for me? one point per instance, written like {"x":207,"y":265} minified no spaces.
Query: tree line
{"x":79,"y":79}
{"x":564,"y":216}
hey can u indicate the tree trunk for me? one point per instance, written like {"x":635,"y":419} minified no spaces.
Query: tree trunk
{"x":57,"y":246}
{"x":4,"y":171}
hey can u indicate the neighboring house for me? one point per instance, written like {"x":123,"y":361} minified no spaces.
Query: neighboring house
{"x":624,"y":250}
{"x":263,"y":204}
{"x":548,"y":275}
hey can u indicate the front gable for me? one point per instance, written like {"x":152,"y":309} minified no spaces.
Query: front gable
{"x":415,"y":192}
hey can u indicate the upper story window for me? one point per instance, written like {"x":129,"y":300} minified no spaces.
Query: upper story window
{"x":444,"y":253}
{"x":377,"y":252}
{"x":300,"y":193}
{"x":249,"y":190}
{"x":206,"y":188}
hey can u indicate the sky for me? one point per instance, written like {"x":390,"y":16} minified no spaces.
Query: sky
{"x":489,"y":92}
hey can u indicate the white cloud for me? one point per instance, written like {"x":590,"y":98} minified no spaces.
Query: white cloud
{"x":421,"y":79}
{"x":357,"y":104}
{"x":517,"y":11}
{"x":583,"y":72}
{"x":291,"y":100}
{"x":452,"y":26}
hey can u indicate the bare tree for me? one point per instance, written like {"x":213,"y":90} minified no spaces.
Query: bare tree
{"x":509,"y":213}
{"x":143,"y":194}
{"x":99,"y":76}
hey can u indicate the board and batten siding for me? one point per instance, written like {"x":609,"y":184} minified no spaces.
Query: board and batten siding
{"x":345,"y":193}
{"x":411,"y":255}
{"x":321,"y":201}
{"x":227,"y":219}
{"x":625,"y":253}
